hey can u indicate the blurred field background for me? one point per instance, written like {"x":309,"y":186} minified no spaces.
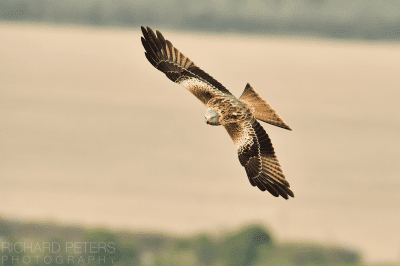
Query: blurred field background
{"x":92,"y":136}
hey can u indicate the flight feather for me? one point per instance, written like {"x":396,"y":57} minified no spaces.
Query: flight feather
{"x":179,"y":68}
{"x":257,"y":156}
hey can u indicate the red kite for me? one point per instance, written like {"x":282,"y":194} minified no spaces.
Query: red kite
{"x":238,"y":116}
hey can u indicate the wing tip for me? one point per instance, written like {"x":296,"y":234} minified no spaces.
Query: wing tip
{"x":275,"y":189}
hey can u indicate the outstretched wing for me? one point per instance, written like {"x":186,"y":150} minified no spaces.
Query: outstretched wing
{"x":178,"y":68}
{"x":257,"y":156}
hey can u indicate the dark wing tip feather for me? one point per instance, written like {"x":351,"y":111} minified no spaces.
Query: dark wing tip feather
{"x":143,"y":30}
{"x":160,"y":53}
{"x":150,"y":59}
{"x":274,"y":189}
{"x":290,"y":193}
{"x":175,"y":65}
{"x":258,"y":158}
{"x":160,"y":36}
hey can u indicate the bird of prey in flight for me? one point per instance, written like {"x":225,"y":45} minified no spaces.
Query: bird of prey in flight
{"x":238,"y":116}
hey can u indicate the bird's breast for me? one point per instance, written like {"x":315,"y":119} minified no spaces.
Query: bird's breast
{"x":229,"y":110}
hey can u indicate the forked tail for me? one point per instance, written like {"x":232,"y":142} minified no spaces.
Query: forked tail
{"x":261,"y":109}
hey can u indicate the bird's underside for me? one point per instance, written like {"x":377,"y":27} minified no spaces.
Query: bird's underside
{"x":238,"y":116}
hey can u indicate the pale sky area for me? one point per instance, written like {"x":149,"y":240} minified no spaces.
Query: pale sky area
{"x":91,"y":133}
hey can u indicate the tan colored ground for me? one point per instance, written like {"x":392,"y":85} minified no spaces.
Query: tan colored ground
{"x":91,"y":133}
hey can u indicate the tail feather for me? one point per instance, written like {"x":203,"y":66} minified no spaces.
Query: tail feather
{"x":261,"y":109}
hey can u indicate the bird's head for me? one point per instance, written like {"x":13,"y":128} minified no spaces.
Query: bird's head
{"x":211,"y":117}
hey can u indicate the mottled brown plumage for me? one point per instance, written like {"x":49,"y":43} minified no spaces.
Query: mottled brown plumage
{"x":238,"y":116}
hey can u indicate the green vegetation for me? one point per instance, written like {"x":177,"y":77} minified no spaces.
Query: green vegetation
{"x":344,"y":19}
{"x":49,"y":243}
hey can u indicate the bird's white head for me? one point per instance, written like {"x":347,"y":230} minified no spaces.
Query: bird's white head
{"x":211,"y":117}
